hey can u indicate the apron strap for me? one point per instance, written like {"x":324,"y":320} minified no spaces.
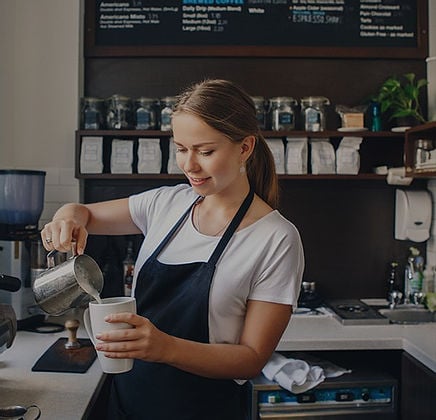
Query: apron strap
{"x":236,"y":221}
{"x":173,"y":230}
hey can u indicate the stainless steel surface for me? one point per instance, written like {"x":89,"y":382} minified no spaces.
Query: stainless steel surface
{"x":417,"y":298}
{"x":394,"y":298}
{"x":408,"y":315}
{"x":18,"y":411}
{"x":361,"y":394}
{"x":71,"y":284}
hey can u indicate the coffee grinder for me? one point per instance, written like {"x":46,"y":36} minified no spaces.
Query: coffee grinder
{"x":21,"y":204}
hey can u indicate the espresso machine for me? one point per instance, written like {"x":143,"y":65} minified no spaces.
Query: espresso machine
{"x":21,"y":204}
{"x":8,"y":320}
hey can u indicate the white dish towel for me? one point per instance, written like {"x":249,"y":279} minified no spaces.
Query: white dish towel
{"x":297,"y":375}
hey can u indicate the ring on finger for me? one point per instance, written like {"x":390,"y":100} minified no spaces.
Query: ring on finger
{"x":48,"y":240}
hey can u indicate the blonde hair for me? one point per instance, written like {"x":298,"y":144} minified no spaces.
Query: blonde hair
{"x":227,"y":108}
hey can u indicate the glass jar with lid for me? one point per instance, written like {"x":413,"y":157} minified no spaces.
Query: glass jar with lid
{"x":259,"y":104}
{"x":314,"y":113}
{"x":166,"y":113}
{"x":145,"y":113}
{"x":282,"y":113}
{"x":119,"y":112}
{"x":91,"y":113}
{"x":423,"y":152}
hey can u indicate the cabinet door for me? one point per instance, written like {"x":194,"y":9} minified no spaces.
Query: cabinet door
{"x":418,"y":390}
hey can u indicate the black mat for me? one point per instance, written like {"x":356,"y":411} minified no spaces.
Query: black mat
{"x":58,"y":359}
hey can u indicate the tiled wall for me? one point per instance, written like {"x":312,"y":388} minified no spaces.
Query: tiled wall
{"x":60,"y":187}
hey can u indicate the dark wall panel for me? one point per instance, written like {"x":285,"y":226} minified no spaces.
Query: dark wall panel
{"x":343,"y":81}
{"x":346,"y":226}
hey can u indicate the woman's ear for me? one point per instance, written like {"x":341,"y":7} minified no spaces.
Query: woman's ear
{"x":247,"y":146}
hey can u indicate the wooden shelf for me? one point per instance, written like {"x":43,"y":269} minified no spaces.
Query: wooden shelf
{"x":123,"y":133}
{"x":281,"y":176}
{"x":266,"y":133}
{"x":379,"y":141}
{"x":334,"y":133}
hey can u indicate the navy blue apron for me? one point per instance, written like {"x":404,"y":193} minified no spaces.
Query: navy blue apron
{"x":176,"y":299}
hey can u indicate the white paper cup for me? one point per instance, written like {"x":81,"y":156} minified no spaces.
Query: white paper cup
{"x":93,"y":319}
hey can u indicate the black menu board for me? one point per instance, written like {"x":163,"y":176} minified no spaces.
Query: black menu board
{"x":382,"y":28}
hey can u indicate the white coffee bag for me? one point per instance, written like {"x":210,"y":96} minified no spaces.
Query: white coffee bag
{"x":278,"y":151}
{"x":121,"y":156}
{"x":296,"y":155}
{"x":149,"y":156}
{"x":322,"y":156}
{"x":91,"y":155}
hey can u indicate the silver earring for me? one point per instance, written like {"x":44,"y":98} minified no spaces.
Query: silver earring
{"x":242,"y":169}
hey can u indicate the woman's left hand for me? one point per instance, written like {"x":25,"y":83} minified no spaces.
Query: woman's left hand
{"x":144,"y":341}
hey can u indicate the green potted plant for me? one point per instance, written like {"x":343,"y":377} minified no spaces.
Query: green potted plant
{"x":399,"y":99}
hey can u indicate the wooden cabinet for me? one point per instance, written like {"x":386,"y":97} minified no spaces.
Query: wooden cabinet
{"x":377,"y":149}
{"x":418,"y":390}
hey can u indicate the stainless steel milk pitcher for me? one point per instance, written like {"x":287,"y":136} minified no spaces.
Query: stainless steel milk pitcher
{"x":69,"y":285}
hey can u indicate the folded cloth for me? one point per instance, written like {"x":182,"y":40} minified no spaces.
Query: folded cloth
{"x":298,"y":375}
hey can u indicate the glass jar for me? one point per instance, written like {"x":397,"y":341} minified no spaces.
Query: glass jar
{"x":313,"y":112}
{"x":145,"y":114}
{"x":259,"y":104}
{"x":119,"y":112}
{"x":423,"y":152}
{"x":166,"y":113}
{"x":282,"y":113}
{"x":91,"y":113}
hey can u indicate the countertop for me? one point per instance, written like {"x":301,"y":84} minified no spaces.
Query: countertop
{"x":325,"y":332}
{"x":68,"y":395}
{"x":63,"y":396}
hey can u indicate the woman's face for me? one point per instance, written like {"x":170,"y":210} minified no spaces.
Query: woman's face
{"x":210,"y":161}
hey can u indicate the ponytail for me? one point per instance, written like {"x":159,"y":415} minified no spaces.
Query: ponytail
{"x":261,"y":172}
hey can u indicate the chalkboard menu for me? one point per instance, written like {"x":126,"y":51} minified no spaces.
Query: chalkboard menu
{"x":372,"y":28}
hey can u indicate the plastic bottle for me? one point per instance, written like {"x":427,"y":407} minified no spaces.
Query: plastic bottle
{"x":129,"y":267}
{"x":375,"y":116}
{"x":414,"y":274}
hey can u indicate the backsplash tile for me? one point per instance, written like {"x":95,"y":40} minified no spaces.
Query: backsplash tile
{"x":60,"y":187}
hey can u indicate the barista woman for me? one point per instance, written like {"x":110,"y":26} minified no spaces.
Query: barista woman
{"x":217,"y":274}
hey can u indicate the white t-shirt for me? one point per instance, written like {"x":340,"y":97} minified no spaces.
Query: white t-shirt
{"x":263,"y":261}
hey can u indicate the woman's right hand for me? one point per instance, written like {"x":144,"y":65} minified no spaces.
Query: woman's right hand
{"x":60,"y":234}
{"x":73,"y":221}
